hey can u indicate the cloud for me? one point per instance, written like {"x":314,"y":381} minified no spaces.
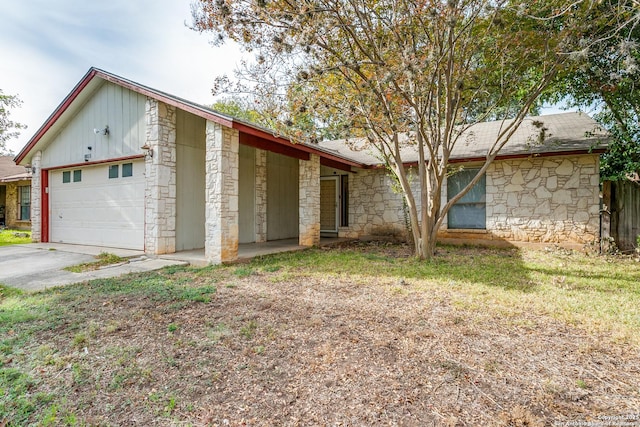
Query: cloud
{"x":48,"y":47}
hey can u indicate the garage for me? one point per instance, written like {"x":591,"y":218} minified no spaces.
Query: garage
{"x":101,"y":205}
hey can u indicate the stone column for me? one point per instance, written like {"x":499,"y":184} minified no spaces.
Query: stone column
{"x":261,"y":196}
{"x":309,"y":228}
{"x":36,"y":198}
{"x":160,"y":172}
{"x":222,"y":189}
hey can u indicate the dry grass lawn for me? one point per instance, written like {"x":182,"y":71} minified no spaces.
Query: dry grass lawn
{"x":352,"y":336}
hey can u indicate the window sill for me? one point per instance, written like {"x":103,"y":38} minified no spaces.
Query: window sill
{"x":467,"y":230}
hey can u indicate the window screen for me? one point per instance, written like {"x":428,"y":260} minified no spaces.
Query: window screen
{"x":470,"y":210}
{"x":77,"y":176}
{"x":66,"y":177}
{"x":113,"y":171}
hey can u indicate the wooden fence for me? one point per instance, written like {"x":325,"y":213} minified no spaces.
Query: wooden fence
{"x":622,"y":205}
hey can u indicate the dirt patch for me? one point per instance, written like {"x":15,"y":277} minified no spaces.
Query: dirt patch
{"x":285,"y":350}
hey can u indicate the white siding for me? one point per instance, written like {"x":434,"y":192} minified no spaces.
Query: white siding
{"x":114,"y":106}
{"x":282,"y":197}
{"x":247,"y":196}
{"x":190,"y":181}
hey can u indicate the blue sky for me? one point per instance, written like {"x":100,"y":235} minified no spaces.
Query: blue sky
{"x":46,"y":46}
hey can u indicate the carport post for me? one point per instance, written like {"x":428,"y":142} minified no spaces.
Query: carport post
{"x":160,"y":170}
{"x":309,"y":182}
{"x":222,"y":190}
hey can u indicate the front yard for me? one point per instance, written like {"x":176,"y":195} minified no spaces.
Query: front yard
{"x":14,"y":237}
{"x":358,"y":335}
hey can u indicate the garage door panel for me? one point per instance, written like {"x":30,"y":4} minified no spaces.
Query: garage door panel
{"x":98,"y":210}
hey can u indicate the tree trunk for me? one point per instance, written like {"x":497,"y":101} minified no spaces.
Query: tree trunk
{"x":424,"y":237}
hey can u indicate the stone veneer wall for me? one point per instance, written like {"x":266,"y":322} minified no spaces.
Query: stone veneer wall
{"x":551,"y":199}
{"x":160,"y":172}
{"x":309,"y":196}
{"x":36,"y":198}
{"x":222,"y":189}
{"x":261,"y":196}
{"x":374,"y":209}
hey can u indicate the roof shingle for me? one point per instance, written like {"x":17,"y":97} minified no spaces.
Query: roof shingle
{"x":8,"y":168}
{"x":565,"y":132}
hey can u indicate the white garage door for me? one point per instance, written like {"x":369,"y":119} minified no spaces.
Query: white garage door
{"x":100,"y":205}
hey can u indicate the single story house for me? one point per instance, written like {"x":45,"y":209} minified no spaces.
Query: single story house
{"x":543,"y":187}
{"x":15,"y":195}
{"x":119,"y":164}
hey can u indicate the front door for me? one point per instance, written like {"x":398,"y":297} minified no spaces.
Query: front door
{"x":329,"y":204}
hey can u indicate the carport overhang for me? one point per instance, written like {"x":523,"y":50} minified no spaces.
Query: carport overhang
{"x":248,"y":134}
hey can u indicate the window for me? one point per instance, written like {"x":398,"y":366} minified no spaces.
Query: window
{"x":470,"y":210}
{"x":66,"y":177}
{"x":24,"y":203}
{"x":113,"y":171}
{"x":77,"y":176}
{"x":127,"y":170}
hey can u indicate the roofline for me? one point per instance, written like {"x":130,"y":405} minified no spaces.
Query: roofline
{"x":251,"y":130}
{"x":530,"y":155}
{"x":504,"y":157}
{"x":174,"y":101}
{"x":56,"y":115}
{"x":15,"y":178}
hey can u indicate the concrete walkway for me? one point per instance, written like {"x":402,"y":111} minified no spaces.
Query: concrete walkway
{"x":39,"y":266}
{"x":247,"y":251}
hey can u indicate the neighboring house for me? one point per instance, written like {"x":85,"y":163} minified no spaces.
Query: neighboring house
{"x":119,"y":164}
{"x":15,"y":195}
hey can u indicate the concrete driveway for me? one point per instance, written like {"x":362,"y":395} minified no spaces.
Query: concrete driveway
{"x":38,"y":266}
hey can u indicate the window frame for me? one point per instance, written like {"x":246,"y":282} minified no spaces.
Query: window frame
{"x":22,"y":204}
{"x":129,"y":167}
{"x":481,"y":186}
{"x":116,"y":169}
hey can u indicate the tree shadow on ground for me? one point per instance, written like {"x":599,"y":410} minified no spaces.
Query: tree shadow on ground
{"x":491,"y":266}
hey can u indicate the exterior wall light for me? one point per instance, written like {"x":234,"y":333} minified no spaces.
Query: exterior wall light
{"x":148,"y":151}
{"x":104,"y":131}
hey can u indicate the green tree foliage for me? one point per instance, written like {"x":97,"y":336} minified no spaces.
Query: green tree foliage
{"x":239,"y":109}
{"x":400,"y":73}
{"x":8,"y":128}
{"x":607,"y":78}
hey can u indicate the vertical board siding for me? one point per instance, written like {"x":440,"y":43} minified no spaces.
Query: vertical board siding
{"x":282,"y":197}
{"x":625,"y":219}
{"x":114,"y":106}
{"x":247,"y":196}
{"x":190,"y":181}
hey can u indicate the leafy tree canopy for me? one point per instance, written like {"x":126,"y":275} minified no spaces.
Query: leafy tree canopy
{"x":608,"y":79}
{"x":407,"y":72}
{"x":8,"y":128}
{"x":238,"y":107}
